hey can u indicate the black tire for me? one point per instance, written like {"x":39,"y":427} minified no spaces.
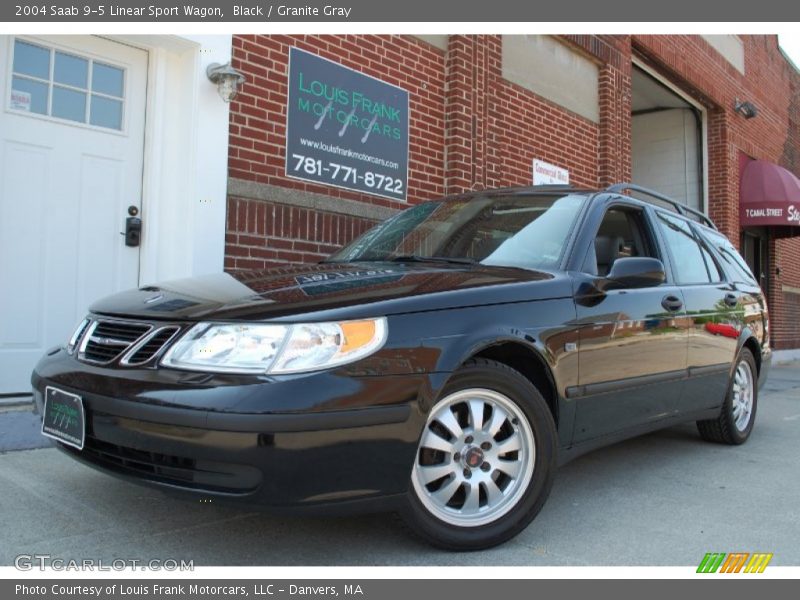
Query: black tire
{"x":724,"y":429}
{"x":521,"y":506}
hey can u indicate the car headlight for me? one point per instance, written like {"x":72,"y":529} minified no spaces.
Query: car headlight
{"x":262,"y":348}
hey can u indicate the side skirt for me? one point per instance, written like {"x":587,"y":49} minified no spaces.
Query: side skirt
{"x":565,"y":455}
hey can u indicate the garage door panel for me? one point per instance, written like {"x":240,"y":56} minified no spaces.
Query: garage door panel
{"x":665,"y":154}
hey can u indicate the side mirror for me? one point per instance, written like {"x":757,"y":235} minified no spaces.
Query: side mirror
{"x":635,"y":272}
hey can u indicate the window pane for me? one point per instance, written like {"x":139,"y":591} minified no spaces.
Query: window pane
{"x":711,"y":265}
{"x":734,"y":263}
{"x":71,"y":70}
{"x":28,"y":95}
{"x":69,"y":104}
{"x":687,"y":255}
{"x":31,"y":60}
{"x":106,"y":112}
{"x":107,"y":80}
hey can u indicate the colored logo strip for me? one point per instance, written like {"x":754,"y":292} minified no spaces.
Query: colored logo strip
{"x":735,"y":562}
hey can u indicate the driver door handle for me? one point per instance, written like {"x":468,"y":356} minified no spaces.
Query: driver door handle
{"x":672,"y":303}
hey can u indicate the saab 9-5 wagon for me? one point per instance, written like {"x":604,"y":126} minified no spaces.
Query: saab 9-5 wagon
{"x":442,"y":365}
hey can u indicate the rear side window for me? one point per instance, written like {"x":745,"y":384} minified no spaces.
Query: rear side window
{"x":692,"y":262}
{"x":732,"y":261}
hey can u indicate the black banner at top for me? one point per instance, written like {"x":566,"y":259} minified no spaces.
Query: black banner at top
{"x":359,"y":11}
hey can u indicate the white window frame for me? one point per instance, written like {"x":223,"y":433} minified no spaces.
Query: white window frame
{"x":51,"y":83}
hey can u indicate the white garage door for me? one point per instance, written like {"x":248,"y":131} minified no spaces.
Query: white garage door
{"x":71,"y":151}
{"x":666,"y":154}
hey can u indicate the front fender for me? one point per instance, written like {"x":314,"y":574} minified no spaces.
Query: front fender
{"x":545,"y":328}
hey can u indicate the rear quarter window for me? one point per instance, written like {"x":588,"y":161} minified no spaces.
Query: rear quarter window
{"x":732,"y":261}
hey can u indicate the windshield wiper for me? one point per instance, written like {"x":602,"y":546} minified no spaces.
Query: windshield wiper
{"x":407,"y":258}
{"x":417,"y":258}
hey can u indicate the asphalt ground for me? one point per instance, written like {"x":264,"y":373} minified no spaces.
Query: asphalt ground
{"x":662,"y":499}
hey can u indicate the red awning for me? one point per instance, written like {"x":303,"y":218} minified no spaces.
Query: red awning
{"x":770,"y":195}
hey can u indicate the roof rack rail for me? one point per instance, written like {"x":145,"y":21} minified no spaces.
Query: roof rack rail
{"x":682,"y":209}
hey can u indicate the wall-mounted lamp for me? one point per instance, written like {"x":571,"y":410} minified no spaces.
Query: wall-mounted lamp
{"x":747,"y":109}
{"x":226,"y":78}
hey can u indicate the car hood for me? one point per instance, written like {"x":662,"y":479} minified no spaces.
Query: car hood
{"x":333,"y":290}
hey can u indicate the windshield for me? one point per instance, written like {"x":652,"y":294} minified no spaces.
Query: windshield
{"x":516,"y":231}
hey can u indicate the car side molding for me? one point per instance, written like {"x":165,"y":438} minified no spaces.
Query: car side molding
{"x":616,"y":385}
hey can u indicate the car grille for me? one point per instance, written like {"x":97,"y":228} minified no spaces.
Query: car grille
{"x":177,"y":471}
{"x":150,"y":346}
{"x":151,"y":463}
{"x":132,"y":343}
{"x":108,"y":340}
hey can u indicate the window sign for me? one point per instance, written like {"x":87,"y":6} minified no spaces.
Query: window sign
{"x":20,"y":100}
{"x":345,"y":129}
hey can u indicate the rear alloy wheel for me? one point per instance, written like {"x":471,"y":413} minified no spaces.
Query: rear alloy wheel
{"x":484,"y":464}
{"x":738,"y":415}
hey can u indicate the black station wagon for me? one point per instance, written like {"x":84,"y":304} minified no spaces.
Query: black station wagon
{"x":441,"y":365}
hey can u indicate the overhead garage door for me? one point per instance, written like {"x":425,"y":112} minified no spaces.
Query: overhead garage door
{"x":71,"y":151}
{"x":666,"y":141}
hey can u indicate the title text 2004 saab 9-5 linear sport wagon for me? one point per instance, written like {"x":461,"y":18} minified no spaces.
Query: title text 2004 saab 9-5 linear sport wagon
{"x":441,"y":365}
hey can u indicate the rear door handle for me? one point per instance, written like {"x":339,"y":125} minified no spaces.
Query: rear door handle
{"x":672,"y":303}
{"x":731,"y":300}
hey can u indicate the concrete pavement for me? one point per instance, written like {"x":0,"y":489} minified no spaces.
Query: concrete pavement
{"x":20,"y":429}
{"x":662,"y":499}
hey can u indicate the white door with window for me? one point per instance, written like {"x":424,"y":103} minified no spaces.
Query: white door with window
{"x":71,"y":155}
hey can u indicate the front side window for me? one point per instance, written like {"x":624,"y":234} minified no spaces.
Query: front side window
{"x":622,"y":233}
{"x":692,"y":262}
{"x":515,"y":231}
{"x":49,"y":82}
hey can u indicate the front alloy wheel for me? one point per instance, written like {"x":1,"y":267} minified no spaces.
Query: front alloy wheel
{"x":473,"y":474}
{"x":485,"y":459}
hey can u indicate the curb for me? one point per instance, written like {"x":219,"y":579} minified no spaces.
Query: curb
{"x":785,"y":357}
{"x":16,"y":403}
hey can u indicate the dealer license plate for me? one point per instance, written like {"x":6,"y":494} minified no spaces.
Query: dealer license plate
{"x":63,"y":417}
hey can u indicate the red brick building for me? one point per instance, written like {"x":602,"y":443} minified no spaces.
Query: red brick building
{"x":668,"y":112}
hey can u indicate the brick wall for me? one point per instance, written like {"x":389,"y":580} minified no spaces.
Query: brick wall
{"x":264,"y":234}
{"x":472,"y":129}
{"x":785,"y":289}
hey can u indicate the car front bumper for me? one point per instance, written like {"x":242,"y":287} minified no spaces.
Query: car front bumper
{"x":351,"y":443}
